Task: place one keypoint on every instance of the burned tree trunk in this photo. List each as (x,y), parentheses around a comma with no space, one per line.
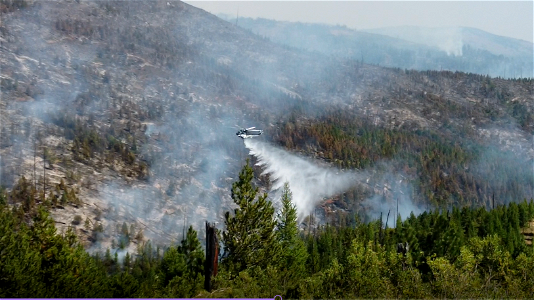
(212,255)
(381,234)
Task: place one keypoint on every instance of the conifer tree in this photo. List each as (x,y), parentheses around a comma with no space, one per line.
(293,252)
(192,251)
(250,238)
(523,213)
(324,243)
(287,218)
(441,225)
(454,239)
(313,258)
(399,230)
(3,197)
(173,264)
(411,239)
(127,263)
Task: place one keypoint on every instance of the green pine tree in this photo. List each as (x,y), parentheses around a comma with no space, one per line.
(411,239)
(399,230)
(454,240)
(193,253)
(313,258)
(173,264)
(293,252)
(250,238)
(287,218)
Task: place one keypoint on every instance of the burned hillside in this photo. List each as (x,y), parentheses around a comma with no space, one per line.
(121,115)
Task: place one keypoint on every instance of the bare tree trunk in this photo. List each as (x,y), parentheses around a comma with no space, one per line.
(34,158)
(44,174)
(381,236)
(212,255)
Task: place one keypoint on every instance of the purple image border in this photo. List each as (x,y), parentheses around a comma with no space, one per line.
(277,297)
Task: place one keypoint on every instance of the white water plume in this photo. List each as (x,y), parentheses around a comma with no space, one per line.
(308,182)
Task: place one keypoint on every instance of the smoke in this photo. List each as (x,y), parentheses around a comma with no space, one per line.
(448,40)
(308,182)
(193,154)
(191,166)
(393,196)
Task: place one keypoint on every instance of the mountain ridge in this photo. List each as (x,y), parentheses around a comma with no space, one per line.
(467,35)
(455,48)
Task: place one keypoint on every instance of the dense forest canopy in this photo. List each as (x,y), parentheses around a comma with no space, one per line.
(460,253)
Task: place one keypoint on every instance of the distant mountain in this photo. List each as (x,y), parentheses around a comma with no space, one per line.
(456,49)
(452,39)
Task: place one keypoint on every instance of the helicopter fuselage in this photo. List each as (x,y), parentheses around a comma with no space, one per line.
(249,133)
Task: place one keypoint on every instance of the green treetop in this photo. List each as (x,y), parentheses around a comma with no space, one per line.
(250,238)
(294,254)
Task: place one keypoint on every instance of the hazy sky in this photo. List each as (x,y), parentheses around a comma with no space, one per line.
(507,18)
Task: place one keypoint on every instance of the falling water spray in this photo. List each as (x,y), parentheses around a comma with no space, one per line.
(308,182)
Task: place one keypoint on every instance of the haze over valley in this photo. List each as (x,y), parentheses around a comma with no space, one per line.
(408,47)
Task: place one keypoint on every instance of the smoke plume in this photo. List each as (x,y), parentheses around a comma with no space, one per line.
(393,196)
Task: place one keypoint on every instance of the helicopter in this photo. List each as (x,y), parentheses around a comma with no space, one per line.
(249,132)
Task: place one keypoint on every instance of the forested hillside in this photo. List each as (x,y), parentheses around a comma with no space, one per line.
(117,136)
(445,170)
(463,253)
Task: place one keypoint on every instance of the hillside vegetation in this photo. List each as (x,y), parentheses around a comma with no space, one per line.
(117,128)
(461,253)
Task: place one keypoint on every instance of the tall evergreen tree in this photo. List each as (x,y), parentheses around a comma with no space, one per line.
(411,238)
(454,239)
(399,230)
(522,211)
(173,264)
(192,251)
(287,218)
(250,238)
(293,252)
(313,258)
